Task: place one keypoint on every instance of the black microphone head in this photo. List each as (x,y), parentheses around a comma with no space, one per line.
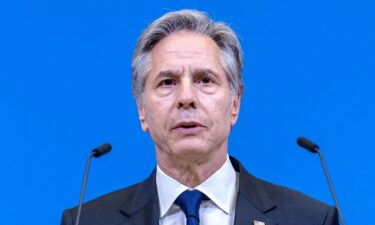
(307,144)
(101,150)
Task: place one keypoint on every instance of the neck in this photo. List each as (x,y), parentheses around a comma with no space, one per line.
(191,170)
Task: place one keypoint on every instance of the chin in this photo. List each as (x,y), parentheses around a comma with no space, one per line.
(190,149)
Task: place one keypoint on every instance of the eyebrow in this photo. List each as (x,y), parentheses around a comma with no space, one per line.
(173,73)
(169,73)
(204,71)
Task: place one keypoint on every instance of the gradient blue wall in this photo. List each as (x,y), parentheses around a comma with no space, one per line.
(65,88)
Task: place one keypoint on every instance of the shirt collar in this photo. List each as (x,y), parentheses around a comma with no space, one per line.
(168,190)
(221,187)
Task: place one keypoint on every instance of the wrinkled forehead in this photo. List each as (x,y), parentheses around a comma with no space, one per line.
(185,49)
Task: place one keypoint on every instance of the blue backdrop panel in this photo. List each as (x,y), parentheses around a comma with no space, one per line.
(65,87)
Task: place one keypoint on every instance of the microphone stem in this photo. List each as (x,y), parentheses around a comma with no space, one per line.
(330,186)
(83,187)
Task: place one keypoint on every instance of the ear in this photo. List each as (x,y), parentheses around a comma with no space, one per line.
(142,117)
(235,110)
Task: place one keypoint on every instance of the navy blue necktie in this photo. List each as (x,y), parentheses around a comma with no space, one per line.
(189,202)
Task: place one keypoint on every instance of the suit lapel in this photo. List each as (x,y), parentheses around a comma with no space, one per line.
(142,205)
(253,203)
(246,213)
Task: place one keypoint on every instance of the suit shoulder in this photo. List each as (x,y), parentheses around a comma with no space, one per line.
(280,203)
(110,200)
(110,207)
(114,198)
(285,195)
(301,206)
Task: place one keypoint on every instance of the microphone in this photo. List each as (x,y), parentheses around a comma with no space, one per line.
(101,150)
(97,152)
(314,148)
(307,144)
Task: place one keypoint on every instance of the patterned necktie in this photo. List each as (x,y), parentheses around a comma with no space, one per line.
(189,202)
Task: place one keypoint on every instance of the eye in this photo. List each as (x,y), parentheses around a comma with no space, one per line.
(205,80)
(167,82)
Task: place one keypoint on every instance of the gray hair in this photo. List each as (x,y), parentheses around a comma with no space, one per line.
(191,21)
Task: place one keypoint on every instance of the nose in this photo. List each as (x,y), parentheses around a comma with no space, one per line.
(186,95)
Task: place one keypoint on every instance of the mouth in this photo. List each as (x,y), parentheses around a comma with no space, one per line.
(189,126)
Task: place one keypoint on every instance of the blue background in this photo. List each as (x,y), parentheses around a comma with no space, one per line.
(65,88)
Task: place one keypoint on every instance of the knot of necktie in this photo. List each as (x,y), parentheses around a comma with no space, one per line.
(189,202)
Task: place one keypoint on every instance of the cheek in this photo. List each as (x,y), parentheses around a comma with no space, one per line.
(218,109)
(156,114)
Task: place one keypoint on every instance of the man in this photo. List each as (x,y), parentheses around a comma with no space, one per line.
(187,81)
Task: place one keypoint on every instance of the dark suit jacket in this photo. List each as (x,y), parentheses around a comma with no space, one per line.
(256,200)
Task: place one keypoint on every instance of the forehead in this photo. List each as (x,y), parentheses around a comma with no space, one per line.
(185,48)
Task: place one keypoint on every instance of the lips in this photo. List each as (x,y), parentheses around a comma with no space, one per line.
(189,124)
(188,127)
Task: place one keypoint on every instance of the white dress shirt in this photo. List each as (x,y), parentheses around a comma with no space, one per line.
(221,188)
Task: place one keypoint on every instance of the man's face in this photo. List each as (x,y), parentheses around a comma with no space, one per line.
(187,103)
